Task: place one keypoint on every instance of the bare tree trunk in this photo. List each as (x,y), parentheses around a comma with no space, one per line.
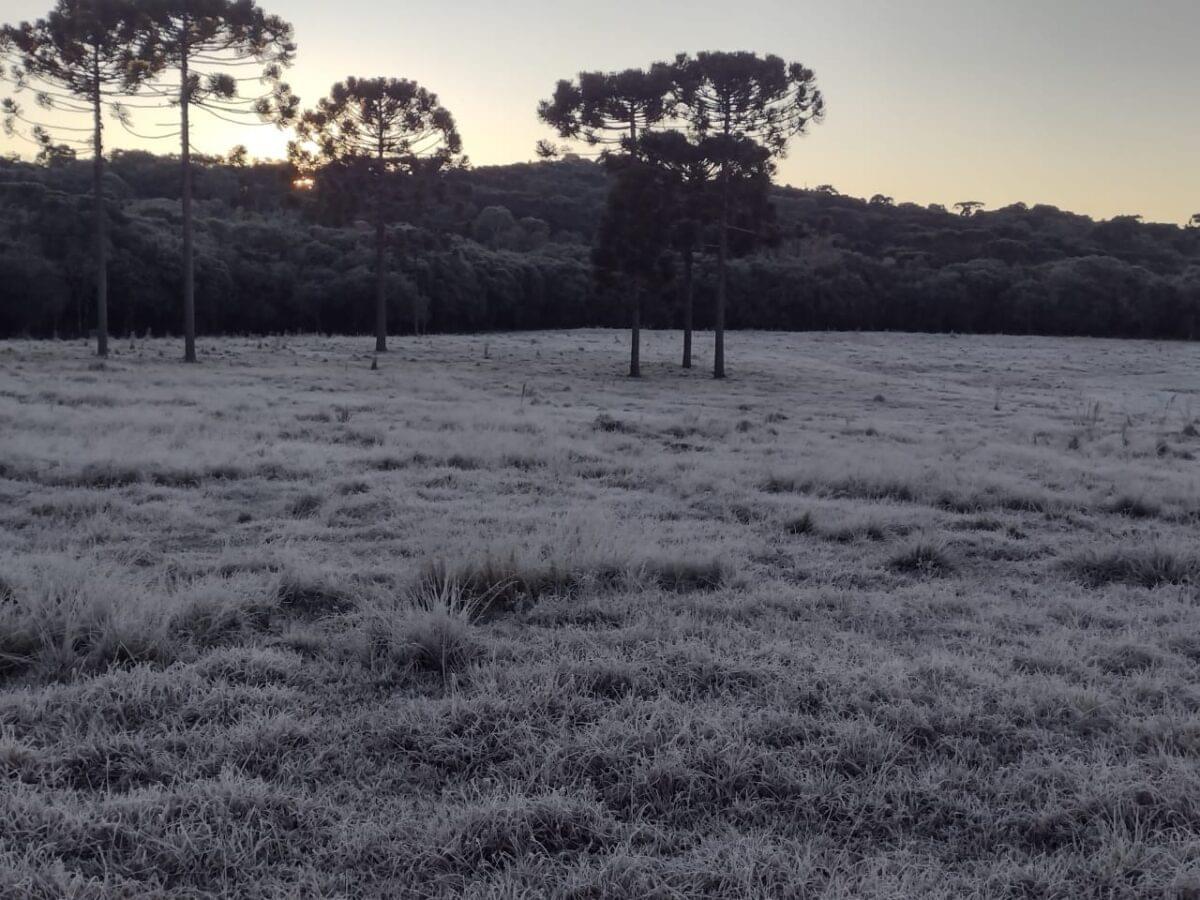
(189,255)
(101,214)
(635,347)
(688,304)
(722,281)
(380,285)
(380,260)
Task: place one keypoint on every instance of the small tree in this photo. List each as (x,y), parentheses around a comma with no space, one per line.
(206,42)
(1195,221)
(368,134)
(79,59)
(743,103)
(968,208)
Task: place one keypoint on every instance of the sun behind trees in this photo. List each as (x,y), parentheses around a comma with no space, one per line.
(734,115)
(371,138)
(204,42)
(86,54)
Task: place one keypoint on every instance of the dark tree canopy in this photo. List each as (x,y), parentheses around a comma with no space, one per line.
(392,122)
(79,47)
(742,94)
(609,109)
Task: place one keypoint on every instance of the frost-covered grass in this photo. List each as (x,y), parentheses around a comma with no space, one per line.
(880,616)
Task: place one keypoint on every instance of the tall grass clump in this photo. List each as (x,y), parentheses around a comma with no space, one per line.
(431,629)
(1147,567)
(65,618)
(924,559)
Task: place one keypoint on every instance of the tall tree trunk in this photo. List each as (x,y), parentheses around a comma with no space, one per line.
(380,262)
(688,304)
(635,345)
(722,281)
(380,284)
(189,256)
(101,213)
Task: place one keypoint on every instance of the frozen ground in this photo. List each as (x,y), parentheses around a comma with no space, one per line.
(880,616)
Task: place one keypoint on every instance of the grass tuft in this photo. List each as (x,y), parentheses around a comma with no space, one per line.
(802,524)
(504,832)
(1147,567)
(607,423)
(1133,507)
(686,576)
(924,559)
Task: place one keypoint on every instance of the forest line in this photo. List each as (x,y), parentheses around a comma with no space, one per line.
(377,223)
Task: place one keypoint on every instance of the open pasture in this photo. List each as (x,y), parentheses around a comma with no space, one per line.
(880,616)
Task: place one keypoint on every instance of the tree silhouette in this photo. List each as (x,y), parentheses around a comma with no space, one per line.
(1195,221)
(615,111)
(687,171)
(749,107)
(608,109)
(968,208)
(882,200)
(367,134)
(78,59)
(211,44)
(633,241)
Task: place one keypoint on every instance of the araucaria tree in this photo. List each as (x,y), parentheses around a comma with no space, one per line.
(685,169)
(609,110)
(739,104)
(633,242)
(615,112)
(214,47)
(79,59)
(374,137)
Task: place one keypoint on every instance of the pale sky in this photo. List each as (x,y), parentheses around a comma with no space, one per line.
(1090,105)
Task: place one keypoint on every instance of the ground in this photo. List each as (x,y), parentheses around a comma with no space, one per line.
(878,616)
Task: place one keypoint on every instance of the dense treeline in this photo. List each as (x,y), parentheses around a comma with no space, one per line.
(508,247)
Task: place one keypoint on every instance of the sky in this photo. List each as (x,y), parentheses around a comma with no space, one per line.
(1089,105)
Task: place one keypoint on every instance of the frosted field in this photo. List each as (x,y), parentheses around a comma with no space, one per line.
(880,616)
